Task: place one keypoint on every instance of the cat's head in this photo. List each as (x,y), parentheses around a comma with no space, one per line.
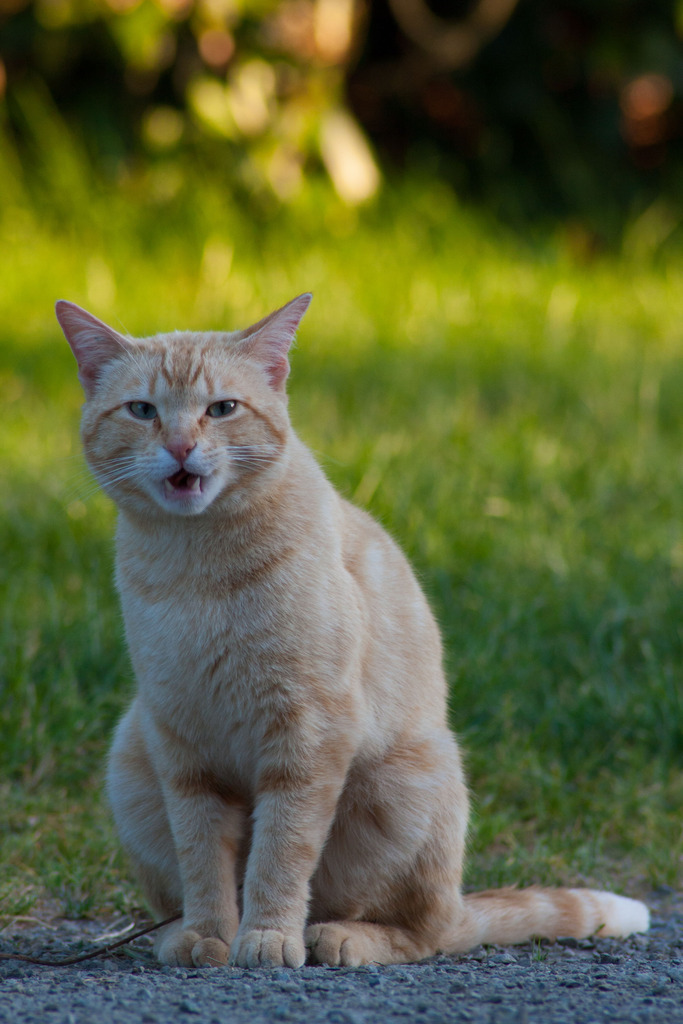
(180,421)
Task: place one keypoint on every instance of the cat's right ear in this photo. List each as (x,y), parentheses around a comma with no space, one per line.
(93,342)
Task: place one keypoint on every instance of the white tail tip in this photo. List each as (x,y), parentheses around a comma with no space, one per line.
(622,916)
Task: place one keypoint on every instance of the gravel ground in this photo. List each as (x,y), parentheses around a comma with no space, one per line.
(639,980)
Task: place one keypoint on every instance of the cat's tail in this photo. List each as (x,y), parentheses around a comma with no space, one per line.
(507,916)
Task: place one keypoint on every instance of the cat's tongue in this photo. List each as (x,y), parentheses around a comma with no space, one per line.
(184,481)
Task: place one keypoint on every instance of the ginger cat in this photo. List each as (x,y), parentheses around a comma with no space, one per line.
(285,777)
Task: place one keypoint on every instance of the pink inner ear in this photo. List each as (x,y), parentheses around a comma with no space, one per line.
(278,372)
(269,340)
(93,342)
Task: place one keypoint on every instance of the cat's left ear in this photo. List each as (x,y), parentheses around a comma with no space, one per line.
(93,342)
(268,341)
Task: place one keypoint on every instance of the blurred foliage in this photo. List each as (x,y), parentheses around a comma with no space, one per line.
(572,109)
(256,85)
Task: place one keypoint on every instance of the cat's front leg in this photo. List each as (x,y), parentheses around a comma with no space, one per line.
(291,823)
(207,833)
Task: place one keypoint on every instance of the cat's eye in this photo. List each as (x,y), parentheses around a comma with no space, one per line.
(224,408)
(143,410)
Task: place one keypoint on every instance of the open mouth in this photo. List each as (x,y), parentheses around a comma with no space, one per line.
(182,483)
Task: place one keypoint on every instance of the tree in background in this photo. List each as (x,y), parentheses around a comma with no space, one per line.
(537,108)
(551,108)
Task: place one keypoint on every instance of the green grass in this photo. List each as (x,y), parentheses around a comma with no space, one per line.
(512,417)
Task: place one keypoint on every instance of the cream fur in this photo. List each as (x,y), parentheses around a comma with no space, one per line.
(285,777)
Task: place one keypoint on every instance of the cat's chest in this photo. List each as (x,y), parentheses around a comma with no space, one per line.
(213,670)
(227,654)
(185,635)
(231,625)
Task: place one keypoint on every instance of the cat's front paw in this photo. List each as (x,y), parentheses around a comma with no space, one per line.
(174,947)
(264,947)
(210,953)
(184,947)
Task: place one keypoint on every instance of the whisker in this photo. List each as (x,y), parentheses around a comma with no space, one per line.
(251,463)
(120,464)
(252,460)
(252,455)
(116,474)
(84,471)
(81,490)
(83,496)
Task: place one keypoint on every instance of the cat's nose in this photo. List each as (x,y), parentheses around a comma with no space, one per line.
(180,448)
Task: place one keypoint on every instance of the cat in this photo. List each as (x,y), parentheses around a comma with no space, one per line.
(285,778)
